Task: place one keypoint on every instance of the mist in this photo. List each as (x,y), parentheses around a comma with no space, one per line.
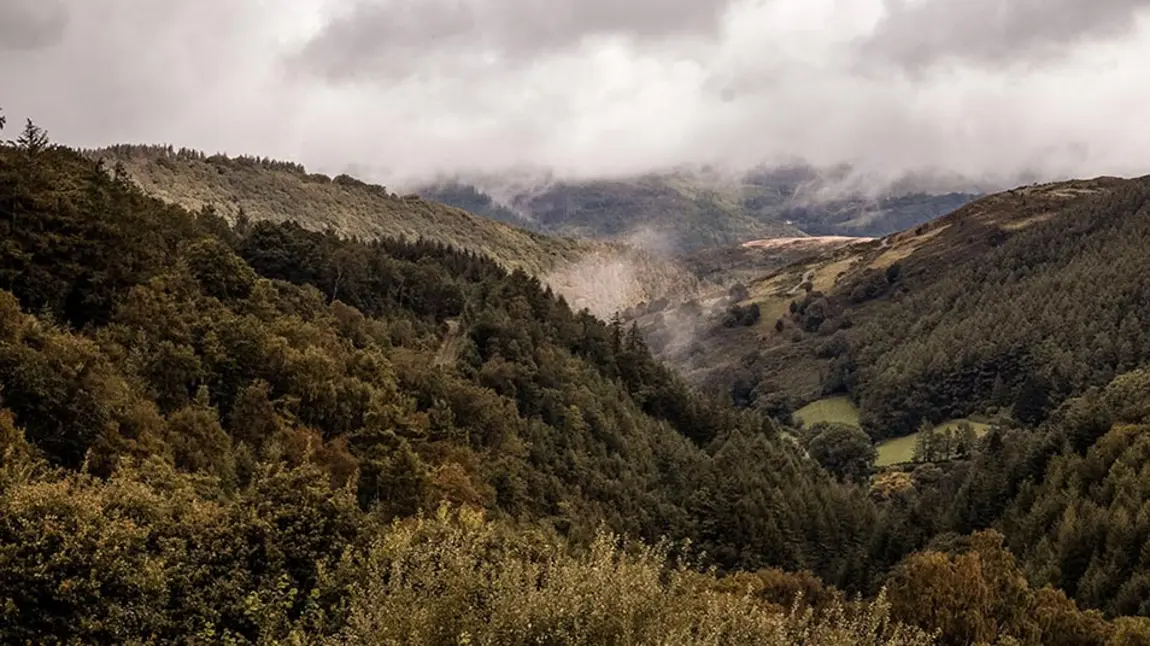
(403,91)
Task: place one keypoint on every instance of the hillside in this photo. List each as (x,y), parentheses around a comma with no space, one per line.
(689,212)
(602,276)
(273,396)
(828,203)
(1030,294)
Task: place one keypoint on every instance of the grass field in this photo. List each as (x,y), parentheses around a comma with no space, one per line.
(837,410)
(840,410)
(901,449)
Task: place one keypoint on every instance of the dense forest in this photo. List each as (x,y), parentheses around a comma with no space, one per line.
(1006,307)
(252,432)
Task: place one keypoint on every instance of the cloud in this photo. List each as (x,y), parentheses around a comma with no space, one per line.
(917,34)
(31,24)
(407,90)
(382,37)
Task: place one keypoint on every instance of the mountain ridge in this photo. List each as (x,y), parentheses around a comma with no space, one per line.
(685,212)
(605,276)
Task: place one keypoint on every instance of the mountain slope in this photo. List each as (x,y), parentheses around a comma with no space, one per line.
(602,276)
(135,329)
(829,203)
(1033,293)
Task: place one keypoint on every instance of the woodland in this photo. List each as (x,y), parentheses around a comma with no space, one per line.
(237,430)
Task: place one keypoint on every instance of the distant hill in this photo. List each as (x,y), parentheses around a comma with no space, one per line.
(667,211)
(603,276)
(686,212)
(828,203)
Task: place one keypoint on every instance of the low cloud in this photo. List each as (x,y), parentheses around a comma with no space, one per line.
(31,24)
(918,34)
(380,39)
(408,90)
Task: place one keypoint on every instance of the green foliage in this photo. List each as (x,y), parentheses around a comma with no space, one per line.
(980,596)
(155,555)
(1083,527)
(1020,316)
(231,355)
(946,442)
(846,451)
(458,580)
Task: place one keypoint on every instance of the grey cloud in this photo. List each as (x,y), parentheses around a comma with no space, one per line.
(390,37)
(132,70)
(31,24)
(490,86)
(916,35)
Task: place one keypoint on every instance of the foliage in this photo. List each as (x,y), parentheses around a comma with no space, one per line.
(980,596)
(458,580)
(846,451)
(259,189)
(1045,312)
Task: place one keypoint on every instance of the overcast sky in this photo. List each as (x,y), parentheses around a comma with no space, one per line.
(404,89)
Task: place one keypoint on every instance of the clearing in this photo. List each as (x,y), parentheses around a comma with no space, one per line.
(834,410)
(901,449)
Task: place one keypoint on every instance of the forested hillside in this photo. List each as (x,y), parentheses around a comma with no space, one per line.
(603,276)
(259,433)
(1013,303)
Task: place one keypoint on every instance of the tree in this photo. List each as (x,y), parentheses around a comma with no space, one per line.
(33,140)
(845,451)
(1033,401)
(966,440)
(928,444)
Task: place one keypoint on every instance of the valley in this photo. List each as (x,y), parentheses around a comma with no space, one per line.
(241,402)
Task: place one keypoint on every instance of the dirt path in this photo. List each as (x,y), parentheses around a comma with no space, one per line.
(807,277)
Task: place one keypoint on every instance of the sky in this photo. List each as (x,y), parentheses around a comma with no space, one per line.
(399,91)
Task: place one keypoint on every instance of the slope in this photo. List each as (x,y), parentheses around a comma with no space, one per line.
(263,189)
(1017,300)
(135,329)
(670,211)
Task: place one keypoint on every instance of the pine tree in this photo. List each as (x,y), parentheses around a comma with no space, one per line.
(33,140)
(1033,399)
(926,445)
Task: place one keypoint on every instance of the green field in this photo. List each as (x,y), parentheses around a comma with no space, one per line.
(901,449)
(836,410)
(840,410)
